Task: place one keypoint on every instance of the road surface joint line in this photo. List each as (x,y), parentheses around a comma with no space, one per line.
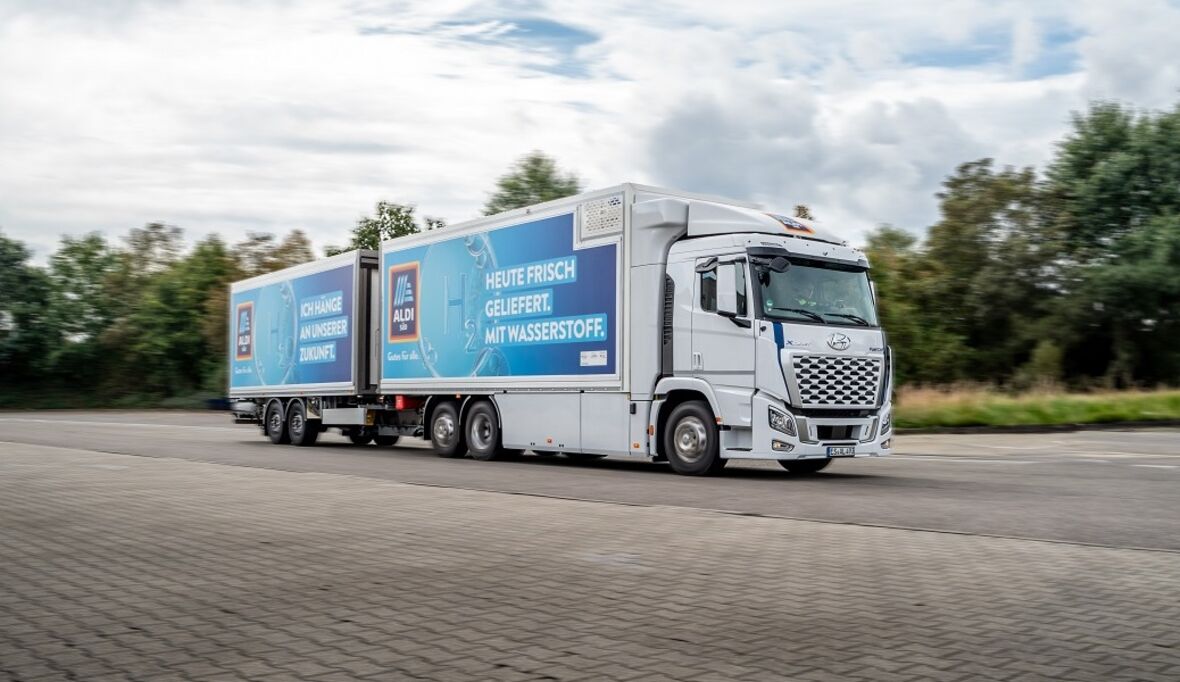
(804,519)
(965,458)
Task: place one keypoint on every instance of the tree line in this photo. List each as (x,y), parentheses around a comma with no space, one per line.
(141,317)
(1070,276)
(1067,276)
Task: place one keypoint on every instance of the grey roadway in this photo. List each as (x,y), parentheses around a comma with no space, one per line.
(1109,488)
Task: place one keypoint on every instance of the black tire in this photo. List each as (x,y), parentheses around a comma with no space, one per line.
(483,432)
(804,466)
(386,441)
(300,429)
(446,433)
(276,425)
(360,437)
(691,441)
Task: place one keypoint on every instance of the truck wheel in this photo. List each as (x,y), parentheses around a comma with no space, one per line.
(386,441)
(804,466)
(303,431)
(690,440)
(276,426)
(483,433)
(445,433)
(360,437)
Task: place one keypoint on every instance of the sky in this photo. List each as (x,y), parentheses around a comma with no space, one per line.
(236,117)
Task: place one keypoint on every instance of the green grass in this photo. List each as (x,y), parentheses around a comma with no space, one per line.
(932,408)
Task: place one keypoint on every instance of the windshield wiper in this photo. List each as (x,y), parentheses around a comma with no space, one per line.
(800,311)
(855,318)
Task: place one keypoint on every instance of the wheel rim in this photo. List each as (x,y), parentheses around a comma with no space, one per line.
(296,424)
(444,430)
(690,439)
(481,432)
(276,421)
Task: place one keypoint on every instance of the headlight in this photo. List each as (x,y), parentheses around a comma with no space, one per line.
(887,422)
(779,421)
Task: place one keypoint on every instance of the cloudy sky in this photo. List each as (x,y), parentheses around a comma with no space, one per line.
(243,116)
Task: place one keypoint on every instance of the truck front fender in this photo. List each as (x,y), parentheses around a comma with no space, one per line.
(669,392)
(669,384)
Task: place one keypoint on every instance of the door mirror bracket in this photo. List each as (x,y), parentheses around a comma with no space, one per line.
(732,317)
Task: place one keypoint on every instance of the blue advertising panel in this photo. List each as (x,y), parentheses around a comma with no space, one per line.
(515,301)
(294,332)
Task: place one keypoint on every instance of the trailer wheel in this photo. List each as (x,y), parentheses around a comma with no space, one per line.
(804,466)
(360,437)
(276,426)
(446,434)
(386,441)
(483,432)
(303,431)
(690,440)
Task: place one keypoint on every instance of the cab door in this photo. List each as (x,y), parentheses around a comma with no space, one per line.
(723,336)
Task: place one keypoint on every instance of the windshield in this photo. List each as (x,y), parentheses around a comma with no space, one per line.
(817,292)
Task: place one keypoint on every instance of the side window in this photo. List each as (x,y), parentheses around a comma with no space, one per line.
(709,291)
(740,278)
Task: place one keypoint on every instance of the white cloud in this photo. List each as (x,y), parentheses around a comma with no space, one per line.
(1134,53)
(1026,42)
(227,117)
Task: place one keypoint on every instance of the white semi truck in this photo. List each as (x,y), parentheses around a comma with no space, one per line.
(631,321)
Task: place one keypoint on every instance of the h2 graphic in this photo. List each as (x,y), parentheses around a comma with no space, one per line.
(244,337)
(403,302)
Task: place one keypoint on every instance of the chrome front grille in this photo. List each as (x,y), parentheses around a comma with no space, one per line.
(837,380)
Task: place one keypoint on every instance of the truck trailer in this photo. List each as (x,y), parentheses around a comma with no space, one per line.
(631,321)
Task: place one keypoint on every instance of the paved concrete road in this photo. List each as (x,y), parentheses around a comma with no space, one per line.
(389,564)
(1110,488)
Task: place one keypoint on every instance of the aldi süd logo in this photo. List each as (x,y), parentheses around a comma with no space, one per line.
(403,302)
(244,331)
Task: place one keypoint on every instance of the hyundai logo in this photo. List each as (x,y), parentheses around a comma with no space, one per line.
(839,341)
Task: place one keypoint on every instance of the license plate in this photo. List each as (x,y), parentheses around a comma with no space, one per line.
(842,451)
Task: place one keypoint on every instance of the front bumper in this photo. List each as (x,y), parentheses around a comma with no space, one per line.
(867,436)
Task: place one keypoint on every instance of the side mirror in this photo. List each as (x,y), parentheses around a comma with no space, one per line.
(727,290)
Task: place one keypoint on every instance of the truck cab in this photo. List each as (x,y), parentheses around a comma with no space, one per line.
(775,321)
